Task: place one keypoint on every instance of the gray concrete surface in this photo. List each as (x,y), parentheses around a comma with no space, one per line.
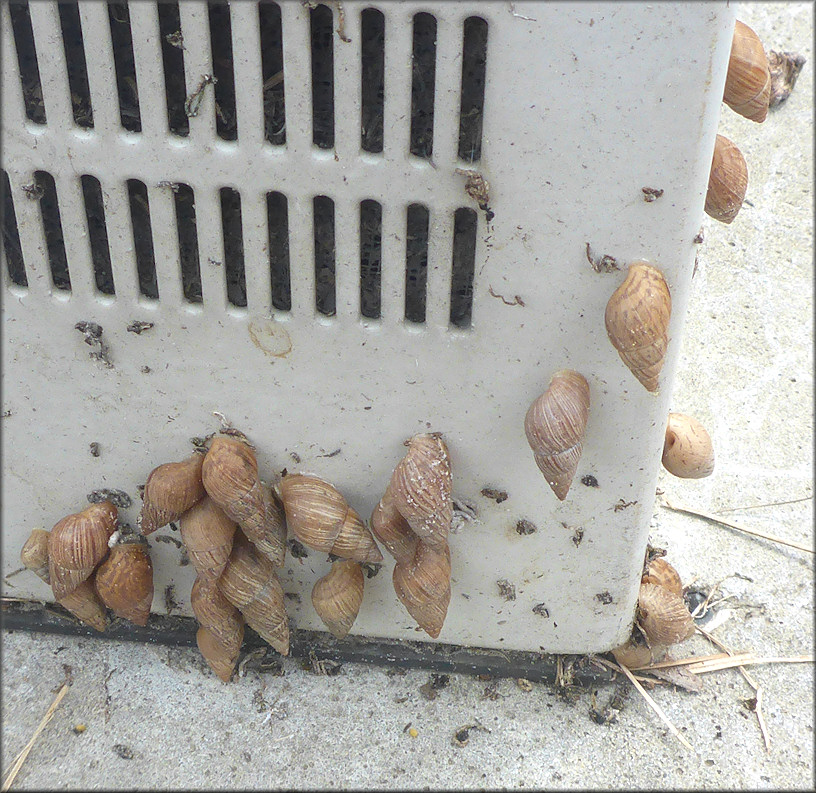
(746,372)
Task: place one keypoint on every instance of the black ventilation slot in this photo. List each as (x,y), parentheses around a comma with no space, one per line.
(188,243)
(143,238)
(416,262)
(370,258)
(277,215)
(422,85)
(233,246)
(172,44)
(27,62)
(226,116)
(322,76)
(98,234)
(325,298)
(269,17)
(471,109)
(77,68)
(45,190)
(11,237)
(372,75)
(124,64)
(464,260)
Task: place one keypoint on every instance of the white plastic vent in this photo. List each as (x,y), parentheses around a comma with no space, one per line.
(278,190)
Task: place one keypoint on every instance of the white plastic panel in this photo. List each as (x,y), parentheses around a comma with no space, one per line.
(585,104)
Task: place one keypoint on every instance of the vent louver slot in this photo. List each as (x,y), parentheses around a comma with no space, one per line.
(11,238)
(269,17)
(372,80)
(124,65)
(226,118)
(416,264)
(75,60)
(172,48)
(471,112)
(233,247)
(322,42)
(142,238)
(184,201)
(464,259)
(324,255)
(370,258)
(98,234)
(27,62)
(423,85)
(45,188)
(277,218)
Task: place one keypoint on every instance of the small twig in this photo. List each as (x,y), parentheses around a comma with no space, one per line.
(21,758)
(652,704)
(715,519)
(769,504)
(520,16)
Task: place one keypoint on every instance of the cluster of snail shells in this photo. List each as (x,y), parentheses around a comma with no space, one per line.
(412,520)
(89,569)
(662,617)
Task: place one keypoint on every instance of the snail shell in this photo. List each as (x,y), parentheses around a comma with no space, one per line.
(663,616)
(748,81)
(222,628)
(230,475)
(170,490)
(421,488)
(321,518)
(727,181)
(77,544)
(634,654)
(392,530)
(555,424)
(660,572)
(338,595)
(34,554)
(250,583)
(220,657)
(124,580)
(423,587)
(207,533)
(637,322)
(687,450)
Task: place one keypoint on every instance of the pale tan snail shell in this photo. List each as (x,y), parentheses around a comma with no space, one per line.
(338,595)
(660,572)
(321,518)
(636,653)
(222,627)
(687,449)
(555,424)
(727,181)
(34,554)
(392,529)
(230,476)
(124,580)
(637,321)
(663,616)
(748,81)
(423,587)
(207,534)
(170,490)
(250,583)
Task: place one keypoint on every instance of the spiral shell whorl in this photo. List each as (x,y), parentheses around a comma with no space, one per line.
(124,581)
(170,490)
(338,595)
(748,81)
(207,533)
(423,587)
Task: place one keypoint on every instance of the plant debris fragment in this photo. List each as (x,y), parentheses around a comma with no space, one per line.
(785,68)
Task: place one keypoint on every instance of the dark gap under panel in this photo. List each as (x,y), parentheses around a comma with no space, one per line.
(98,234)
(124,63)
(422,85)
(27,61)
(11,237)
(322,38)
(143,238)
(172,43)
(370,258)
(269,17)
(52,227)
(233,246)
(372,75)
(188,243)
(325,296)
(471,108)
(277,216)
(77,68)
(416,262)
(226,115)
(464,261)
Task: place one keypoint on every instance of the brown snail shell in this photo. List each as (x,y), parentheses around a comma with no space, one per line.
(421,488)
(663,616)
(77,544)
(230,475)
(170,490)
(555,424)
(423,587)
(748,81)
(392,530)
(250,583)
(727,181)
(660,572)
(220,657)
(687,450)
(207,534)
(637,322)
(124,580)
(634,654)
(34,554)
(337,596)
(321,518)
(214,612)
